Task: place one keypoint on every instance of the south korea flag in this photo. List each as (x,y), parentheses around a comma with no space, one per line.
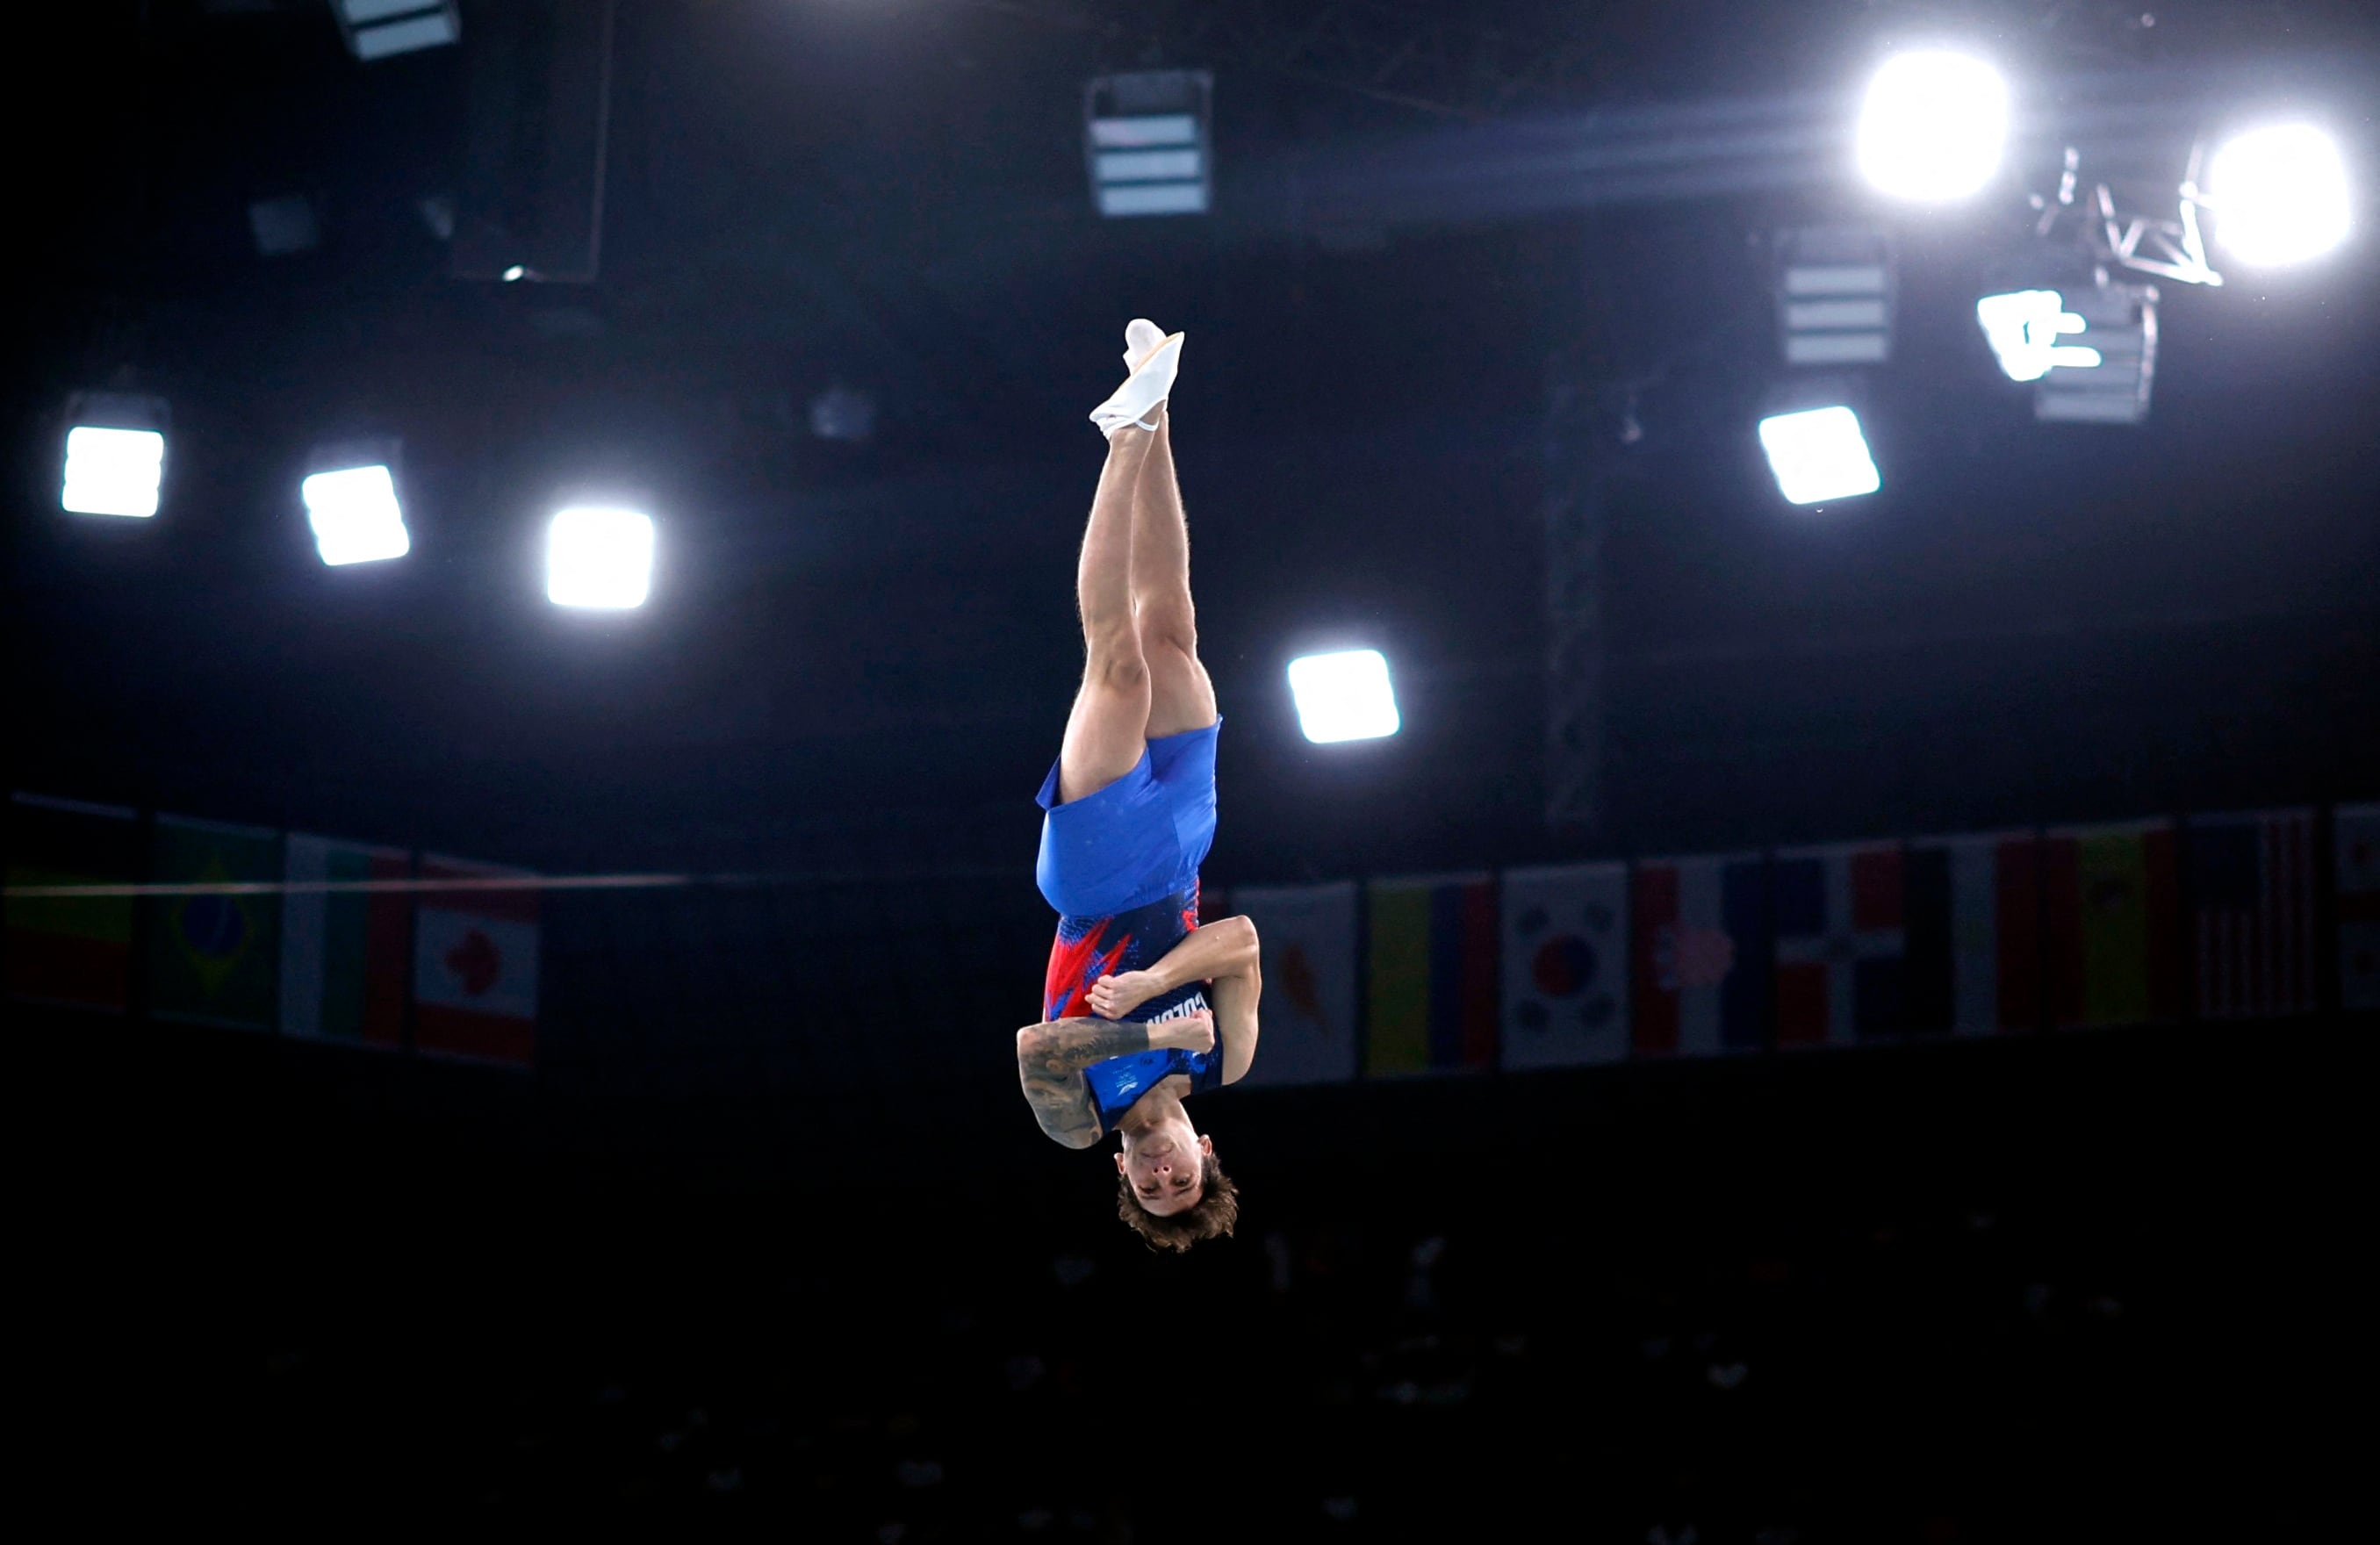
(1565,966)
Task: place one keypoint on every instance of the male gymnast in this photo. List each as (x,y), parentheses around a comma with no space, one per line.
(1137,993)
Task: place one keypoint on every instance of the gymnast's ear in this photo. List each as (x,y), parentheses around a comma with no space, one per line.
(1119,1159)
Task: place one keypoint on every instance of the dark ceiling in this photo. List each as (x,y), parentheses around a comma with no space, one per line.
(862,653)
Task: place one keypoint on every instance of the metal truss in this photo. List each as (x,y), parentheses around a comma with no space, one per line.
(1576,658)
(2170,249)
(1434,59)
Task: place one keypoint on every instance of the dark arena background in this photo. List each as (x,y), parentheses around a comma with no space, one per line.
(1840,1013)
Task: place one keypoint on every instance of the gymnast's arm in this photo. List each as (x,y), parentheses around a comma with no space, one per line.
(1225,955)
(1225,947)
(1233,993)
(1049,1063)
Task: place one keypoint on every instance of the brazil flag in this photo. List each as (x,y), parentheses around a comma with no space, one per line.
(214,958)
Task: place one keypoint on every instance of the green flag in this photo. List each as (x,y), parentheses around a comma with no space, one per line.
(214,959)
(344,960)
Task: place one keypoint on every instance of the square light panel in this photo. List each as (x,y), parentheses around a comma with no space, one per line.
(1345,696)
(600,558)
(112,471)
(355,516)
(1818,455)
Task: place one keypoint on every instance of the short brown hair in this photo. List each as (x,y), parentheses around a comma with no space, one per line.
(1218,1210)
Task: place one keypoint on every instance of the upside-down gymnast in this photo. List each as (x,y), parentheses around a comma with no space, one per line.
(1138,995)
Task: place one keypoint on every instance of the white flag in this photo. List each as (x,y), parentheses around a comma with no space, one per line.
(1308,1016)
(1565,966)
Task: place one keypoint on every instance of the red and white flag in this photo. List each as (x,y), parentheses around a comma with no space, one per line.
(1699,980)
(475,964)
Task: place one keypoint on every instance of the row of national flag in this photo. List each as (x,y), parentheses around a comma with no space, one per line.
(319,939)
(2221,917)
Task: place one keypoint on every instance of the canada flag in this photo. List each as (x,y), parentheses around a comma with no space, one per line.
(475,965)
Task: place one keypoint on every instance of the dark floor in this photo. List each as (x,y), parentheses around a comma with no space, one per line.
(2046,1289)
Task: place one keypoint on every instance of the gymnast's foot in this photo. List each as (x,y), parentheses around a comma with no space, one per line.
(1141,337)
(1153,359)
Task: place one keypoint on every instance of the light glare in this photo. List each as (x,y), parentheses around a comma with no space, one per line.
(112,471)
(1345,696)
(356,515)
(2279,195)
(1818,455)
(600,558)
(2024,328)
(1932,126)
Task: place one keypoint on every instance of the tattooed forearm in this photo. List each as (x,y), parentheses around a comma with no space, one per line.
(1074,1044)
(1049,1063)
(1061,1105)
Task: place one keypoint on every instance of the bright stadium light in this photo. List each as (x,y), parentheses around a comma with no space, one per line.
(2279,195)
(600,558)
(116,455)
(112,471)
(1818,454)
(1344,695)
(355,515)
(2023,327)
(1932,126)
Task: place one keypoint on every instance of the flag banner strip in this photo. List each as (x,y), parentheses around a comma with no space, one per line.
(219,828)
(515,883)
(72,807)
(441,883)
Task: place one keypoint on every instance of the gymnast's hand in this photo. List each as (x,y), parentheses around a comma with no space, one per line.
(1113,997)
(1191,1032)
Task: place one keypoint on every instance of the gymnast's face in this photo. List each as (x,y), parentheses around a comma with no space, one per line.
(1165,1165)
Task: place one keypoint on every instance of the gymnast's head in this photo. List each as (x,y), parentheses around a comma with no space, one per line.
(1169,1187)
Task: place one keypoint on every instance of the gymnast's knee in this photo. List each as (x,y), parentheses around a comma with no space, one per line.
(1117,664)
